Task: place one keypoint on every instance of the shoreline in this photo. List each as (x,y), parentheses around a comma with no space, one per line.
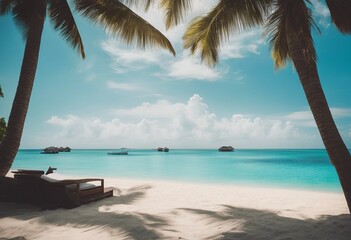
(243,184)
(149,209)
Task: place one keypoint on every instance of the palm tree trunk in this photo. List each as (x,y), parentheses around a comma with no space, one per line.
(308,73)
(11,142)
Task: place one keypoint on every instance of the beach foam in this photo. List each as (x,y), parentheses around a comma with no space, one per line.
(143,209)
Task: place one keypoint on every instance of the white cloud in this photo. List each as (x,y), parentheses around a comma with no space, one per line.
(301,115)
(127,58)
(321,12)
(191,68)
(242,44)
(307,115)
(68,122)
(305,118)
(178,125)
(184,66)
(123,86)
(320,8)
(341,112)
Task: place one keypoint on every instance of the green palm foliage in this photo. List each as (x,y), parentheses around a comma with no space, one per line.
(206,33)
(120,21)
(112,15)
(288,25)
(297,15)
(174,10)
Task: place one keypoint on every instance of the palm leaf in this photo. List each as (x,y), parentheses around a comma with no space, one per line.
(1,93)
(62,18)
(292,14)
(119,20)
(6,6)
(276,31)
(206,33)
(175,11)
(340,11)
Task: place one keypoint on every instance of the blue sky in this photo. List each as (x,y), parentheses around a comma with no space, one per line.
(121,96)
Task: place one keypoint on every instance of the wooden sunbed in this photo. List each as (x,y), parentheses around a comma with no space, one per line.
(49,192)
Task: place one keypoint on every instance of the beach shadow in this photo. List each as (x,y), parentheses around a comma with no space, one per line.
(119,217)
(15,238)
(252,224)
(104,215)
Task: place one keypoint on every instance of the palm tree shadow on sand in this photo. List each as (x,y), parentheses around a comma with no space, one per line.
(116,217)
(97,215)
(248,224)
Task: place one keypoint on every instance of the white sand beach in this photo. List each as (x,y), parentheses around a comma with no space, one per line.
(143,209)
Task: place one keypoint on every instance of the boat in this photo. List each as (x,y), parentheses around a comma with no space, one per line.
(123,151)
(226,149)
(117,153)
(165,149)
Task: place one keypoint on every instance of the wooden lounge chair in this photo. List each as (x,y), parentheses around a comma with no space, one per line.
(53,190)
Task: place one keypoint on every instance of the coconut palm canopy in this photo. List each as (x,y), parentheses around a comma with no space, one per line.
(30,16)
(114,81)
(288,24)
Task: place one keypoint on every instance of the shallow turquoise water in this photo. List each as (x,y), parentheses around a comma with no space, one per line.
(310,169)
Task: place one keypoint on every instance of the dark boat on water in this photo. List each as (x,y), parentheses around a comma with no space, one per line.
(122,152)
(226,149)
(165,149)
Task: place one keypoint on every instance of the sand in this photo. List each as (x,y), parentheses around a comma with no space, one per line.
(144,209)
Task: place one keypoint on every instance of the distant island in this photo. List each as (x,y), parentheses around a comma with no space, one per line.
(226,149)
(55,150)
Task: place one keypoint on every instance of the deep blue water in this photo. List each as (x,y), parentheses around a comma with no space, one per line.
(309,169)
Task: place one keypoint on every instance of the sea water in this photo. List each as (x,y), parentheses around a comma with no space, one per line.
(307,169)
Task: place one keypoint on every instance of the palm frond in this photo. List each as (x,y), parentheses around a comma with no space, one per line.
(206,33)
(63,20)
(6,6)
(121,21)
(290,14)
(175,11)
(24,12)
(1,93)
(276,31)
(340,11)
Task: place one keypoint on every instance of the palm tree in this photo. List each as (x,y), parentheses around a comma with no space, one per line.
(288,25)
(112,15)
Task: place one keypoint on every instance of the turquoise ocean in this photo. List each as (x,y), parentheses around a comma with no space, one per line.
(303,169)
